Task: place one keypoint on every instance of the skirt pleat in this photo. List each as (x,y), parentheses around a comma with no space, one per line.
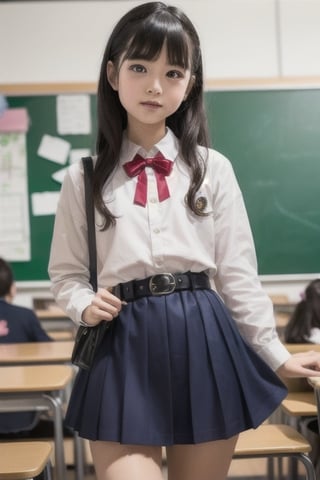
(173,369)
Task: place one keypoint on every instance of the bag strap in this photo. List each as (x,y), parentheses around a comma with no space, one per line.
(88,178)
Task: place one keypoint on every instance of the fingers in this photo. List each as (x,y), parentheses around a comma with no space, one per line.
(304,364)
(4,330)
(104,306)
(310,360)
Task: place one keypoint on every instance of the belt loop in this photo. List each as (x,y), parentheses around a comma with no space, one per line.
(192,280)
(117,291)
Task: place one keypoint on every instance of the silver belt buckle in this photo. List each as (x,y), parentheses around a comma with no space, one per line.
(162,284)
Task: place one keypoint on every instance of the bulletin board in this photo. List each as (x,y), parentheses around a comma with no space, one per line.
(42,115)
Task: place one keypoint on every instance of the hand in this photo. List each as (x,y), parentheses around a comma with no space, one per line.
(304,364)
(104,306)
(4,330)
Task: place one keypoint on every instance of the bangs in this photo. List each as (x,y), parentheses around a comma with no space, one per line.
(150,36)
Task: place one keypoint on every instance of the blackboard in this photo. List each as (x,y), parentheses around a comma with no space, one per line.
(272,138)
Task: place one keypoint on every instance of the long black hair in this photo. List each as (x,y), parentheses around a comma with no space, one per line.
(6,278)
(305,316)
(141,33)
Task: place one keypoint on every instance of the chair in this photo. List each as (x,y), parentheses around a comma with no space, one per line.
(275,441)
(25,460)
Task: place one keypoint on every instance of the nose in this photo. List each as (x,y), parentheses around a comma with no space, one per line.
(154,88)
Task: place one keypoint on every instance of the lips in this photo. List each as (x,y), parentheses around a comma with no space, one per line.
(151,104)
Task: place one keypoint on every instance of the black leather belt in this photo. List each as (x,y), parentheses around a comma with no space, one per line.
(161,284)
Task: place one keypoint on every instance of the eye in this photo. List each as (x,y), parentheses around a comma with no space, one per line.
(175,74)
(137,68)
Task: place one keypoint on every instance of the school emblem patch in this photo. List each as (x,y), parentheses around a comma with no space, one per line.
(201,204)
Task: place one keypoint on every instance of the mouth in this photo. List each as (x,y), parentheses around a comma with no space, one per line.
(151,104)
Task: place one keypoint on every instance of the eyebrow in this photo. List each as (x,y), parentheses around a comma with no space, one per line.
(141,59)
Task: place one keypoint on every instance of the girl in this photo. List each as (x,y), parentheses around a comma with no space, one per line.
(304,325)
(189,359)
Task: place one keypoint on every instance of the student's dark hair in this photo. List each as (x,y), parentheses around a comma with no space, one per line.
(305,316)
(141,33)
(6,278)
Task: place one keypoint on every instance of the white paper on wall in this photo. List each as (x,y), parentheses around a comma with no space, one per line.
(73,115)
(14,205)
(54,149)
(44,203)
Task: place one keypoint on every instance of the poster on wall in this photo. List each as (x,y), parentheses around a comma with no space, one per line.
(14,204)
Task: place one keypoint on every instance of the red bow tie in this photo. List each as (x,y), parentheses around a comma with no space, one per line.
(162,168)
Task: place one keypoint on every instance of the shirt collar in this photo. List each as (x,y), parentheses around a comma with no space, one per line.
(168,146)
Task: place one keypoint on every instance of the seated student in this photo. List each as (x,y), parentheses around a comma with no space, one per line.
(304,327)
(304,324)
(17,324)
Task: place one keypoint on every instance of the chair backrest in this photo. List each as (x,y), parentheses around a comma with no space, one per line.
(279,299)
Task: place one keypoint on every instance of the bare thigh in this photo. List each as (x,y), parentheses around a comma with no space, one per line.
(203,461)
(113,461)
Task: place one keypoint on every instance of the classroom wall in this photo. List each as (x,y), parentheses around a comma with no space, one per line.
(53,42)
(63,41)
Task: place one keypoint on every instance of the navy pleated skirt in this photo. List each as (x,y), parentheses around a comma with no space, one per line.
(171,370)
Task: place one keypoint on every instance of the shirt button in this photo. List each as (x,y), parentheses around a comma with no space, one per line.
(156,230)
(153,200)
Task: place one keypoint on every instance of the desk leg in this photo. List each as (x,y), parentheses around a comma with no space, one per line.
(317,395)
(292,461)
(79,456)
(55,402)
(41,402)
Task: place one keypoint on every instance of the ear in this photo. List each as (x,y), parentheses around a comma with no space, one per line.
(112,75)
(12,292)
(189,87)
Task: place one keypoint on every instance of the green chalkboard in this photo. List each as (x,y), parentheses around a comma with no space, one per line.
(273,141)
(42,114)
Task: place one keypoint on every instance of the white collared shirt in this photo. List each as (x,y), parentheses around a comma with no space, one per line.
(165,237)
(314,336)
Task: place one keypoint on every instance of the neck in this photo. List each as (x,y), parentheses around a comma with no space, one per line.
(146,135)
(7,298)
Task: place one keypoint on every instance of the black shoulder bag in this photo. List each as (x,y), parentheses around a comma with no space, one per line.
(88,338)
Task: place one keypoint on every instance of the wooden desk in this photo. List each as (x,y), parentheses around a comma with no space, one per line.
(299,404)
(302,347)
(44,353)
(300,401)
(285,308)
(38,388)
(54,318)
(35,353)
(24,460)
(281,322)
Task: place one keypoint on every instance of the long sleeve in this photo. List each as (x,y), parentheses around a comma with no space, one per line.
(237,279)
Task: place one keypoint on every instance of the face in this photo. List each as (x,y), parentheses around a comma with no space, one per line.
(150,91)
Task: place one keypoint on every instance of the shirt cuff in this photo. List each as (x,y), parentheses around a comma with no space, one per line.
(76,311)
(274,354)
